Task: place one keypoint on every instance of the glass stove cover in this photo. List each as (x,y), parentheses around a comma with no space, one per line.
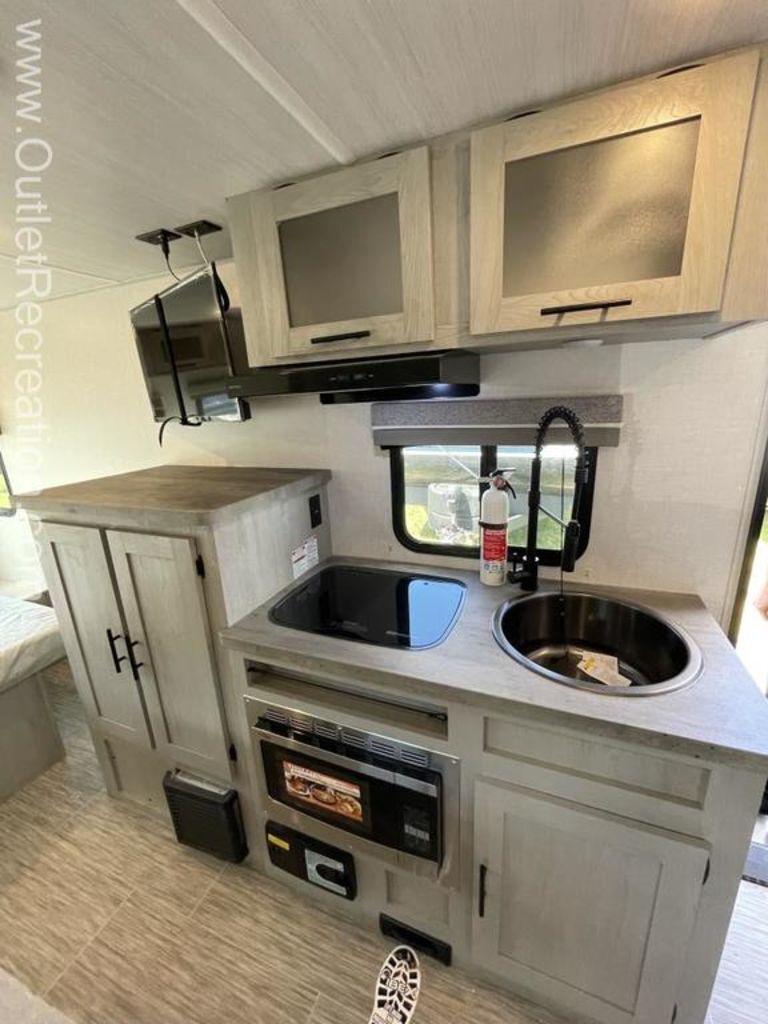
(375,606)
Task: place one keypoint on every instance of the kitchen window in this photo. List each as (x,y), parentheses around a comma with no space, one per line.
(6,502)
(436,493)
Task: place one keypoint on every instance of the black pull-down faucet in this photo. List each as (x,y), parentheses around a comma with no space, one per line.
(527,573)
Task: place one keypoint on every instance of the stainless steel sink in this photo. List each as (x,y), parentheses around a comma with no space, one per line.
(549,633)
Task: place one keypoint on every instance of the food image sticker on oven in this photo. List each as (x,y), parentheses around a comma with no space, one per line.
(323,791)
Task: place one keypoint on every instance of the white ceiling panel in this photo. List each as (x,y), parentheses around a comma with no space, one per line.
(151,124)
(157,110)
(385,72)
(66,282)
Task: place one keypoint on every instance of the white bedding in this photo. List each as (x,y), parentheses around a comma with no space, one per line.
(29,639)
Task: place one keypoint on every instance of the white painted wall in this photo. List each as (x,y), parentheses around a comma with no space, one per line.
(670,500)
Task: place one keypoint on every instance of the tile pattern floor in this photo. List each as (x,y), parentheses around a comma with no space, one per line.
(113,922)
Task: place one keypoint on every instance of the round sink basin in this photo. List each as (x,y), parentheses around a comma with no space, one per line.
(555,634)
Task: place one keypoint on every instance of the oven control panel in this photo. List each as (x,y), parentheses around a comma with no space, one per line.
(418,830)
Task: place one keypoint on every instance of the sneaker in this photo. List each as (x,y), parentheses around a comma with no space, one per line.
(397,990)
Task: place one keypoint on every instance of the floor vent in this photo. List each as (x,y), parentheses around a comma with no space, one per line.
(420,941)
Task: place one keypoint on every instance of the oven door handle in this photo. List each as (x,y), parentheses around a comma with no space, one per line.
(372,771)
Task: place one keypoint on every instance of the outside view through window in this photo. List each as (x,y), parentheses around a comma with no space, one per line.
(752,641)
(6,507)
(442,492)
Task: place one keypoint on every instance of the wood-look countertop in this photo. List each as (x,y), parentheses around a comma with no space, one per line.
(201,493)
(721,716)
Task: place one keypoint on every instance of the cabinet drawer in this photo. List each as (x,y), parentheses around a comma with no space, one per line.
(665,791)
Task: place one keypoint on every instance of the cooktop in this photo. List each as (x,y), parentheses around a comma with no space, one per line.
(374,606)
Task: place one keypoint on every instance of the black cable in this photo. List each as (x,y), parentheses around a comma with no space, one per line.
(185,421)
(170,268)
(165,245)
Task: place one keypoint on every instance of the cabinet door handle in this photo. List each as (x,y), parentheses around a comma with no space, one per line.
(349,336)
(577,307)
(135,665)
(111,637)
(481,890)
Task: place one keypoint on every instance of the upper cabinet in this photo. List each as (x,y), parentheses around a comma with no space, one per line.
(337,263)
(618,206)
(639,211)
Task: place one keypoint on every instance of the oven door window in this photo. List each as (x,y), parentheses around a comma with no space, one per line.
(318,788)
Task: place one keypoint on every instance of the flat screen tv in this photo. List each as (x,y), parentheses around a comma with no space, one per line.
(189,343)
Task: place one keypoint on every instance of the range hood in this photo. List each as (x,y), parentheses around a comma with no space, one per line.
(392,378)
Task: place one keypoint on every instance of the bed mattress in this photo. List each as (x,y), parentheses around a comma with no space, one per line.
(29,639)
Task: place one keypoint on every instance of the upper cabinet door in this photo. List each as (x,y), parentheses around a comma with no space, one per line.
(171,647)
(78,576)
(621,202)
(337,263)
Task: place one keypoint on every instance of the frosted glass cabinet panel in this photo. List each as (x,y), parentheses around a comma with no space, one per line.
(343,263)
(616,206)
(339,263)
(630,193)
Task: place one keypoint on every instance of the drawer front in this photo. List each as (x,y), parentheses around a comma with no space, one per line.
(655,788)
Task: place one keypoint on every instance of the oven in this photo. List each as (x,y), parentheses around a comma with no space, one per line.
(393,799)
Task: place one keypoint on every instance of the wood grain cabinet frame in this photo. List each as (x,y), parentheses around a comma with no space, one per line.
(718,96)
(255,220)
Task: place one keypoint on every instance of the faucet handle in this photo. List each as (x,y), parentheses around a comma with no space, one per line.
(570,546)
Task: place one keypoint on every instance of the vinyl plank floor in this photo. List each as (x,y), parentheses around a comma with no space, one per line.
(340,960)
(150,965)
(113,922)
(741,989)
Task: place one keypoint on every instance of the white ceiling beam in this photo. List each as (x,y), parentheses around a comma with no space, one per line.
(212,19)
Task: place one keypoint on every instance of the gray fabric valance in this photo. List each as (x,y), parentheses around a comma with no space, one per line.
(494,420)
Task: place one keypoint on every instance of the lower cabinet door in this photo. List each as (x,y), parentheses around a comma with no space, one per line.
(170,643)
(77,572)
(589,911)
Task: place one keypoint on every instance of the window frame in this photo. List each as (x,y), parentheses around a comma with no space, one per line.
(488,462)
(6,480)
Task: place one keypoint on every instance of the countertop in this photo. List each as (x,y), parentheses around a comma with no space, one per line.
(722,715)
(202,493)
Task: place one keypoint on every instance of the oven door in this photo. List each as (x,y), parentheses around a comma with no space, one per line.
(390,806)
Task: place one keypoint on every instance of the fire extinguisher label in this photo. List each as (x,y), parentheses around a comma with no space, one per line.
(494,544)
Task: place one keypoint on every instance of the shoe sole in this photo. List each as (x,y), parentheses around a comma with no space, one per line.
(397,988)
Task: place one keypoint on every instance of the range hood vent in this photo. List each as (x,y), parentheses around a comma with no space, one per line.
(393,378)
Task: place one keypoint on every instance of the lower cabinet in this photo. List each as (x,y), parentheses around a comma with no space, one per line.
(167,626)
(77,571)
(135,626)
(584,909)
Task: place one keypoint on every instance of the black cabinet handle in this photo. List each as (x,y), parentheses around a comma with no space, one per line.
(111,637)
(135,665)
(349,336)
(577,307)
(481,890)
